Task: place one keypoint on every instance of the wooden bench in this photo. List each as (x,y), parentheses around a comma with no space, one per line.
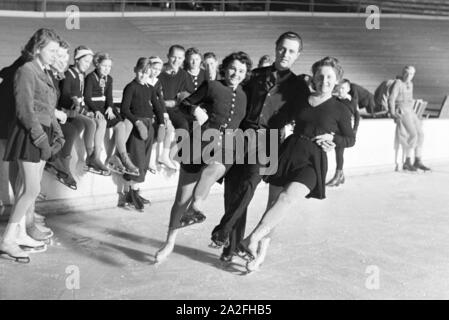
(438,112)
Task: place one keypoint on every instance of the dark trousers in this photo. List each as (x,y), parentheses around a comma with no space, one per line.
(179,119)
(339,152)
(140,150)
(241,182)
(70,132)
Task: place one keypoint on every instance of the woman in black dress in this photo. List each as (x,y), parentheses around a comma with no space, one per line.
(321,123)
(225,107)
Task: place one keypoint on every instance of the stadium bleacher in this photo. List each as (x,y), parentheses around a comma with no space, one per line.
(368,56)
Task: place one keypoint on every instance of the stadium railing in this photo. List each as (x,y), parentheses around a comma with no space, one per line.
(432,7)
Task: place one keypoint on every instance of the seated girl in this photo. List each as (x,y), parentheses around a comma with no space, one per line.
(98,98)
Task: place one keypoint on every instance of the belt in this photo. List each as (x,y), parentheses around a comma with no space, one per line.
(102,98)
(305,137)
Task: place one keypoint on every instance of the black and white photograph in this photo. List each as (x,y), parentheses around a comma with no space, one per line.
(224,155)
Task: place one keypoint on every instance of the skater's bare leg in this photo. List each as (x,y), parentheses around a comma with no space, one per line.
(184,192)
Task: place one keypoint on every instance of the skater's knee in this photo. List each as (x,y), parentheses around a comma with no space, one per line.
(285,198)
(213,172)
(101,123)
(170,129)
(89,124)
(119,127)
(413,138)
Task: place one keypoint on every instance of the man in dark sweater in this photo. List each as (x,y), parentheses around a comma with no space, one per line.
(272,93)
(364,98)
(175,85)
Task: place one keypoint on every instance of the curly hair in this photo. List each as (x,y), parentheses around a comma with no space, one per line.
(190,52)
(240,56)
(330,62)
(38,40)
(99,57)
(265,59)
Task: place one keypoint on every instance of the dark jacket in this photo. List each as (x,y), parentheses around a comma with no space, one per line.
(7,102)
(97,98)
(72,88)
(272,102)
(224,106)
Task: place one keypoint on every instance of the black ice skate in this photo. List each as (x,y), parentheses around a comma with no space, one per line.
(419,165)
(94,165)
(115,164)
(129,166)
(133,199)
(61,169)
(122,199)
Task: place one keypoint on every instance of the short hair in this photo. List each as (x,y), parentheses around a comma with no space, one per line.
(38,40)
(175,47)
(99,57)
(142,64)
(240,56)
(330,62)
(264,59)
(190,52)
(208,55)
(409,67)
(155,60)
(343,81)
(290,35)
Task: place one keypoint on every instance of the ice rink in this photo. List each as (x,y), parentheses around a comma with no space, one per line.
(380,236)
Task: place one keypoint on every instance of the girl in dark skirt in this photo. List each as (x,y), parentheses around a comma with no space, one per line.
(139,106)
(35,136)
(98,97)
(71,101)
(225,104)
(321,123)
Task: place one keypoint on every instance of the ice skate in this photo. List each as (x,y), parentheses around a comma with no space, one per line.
(130,168)
(94,165)
(61,168)
(115,164)
(133,199)
(122,199)
(419,165)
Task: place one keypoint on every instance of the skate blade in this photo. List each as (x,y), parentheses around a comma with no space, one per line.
(131,173)
(164,166)
(52,170)
(119,172)
(99,172)
(71,186)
